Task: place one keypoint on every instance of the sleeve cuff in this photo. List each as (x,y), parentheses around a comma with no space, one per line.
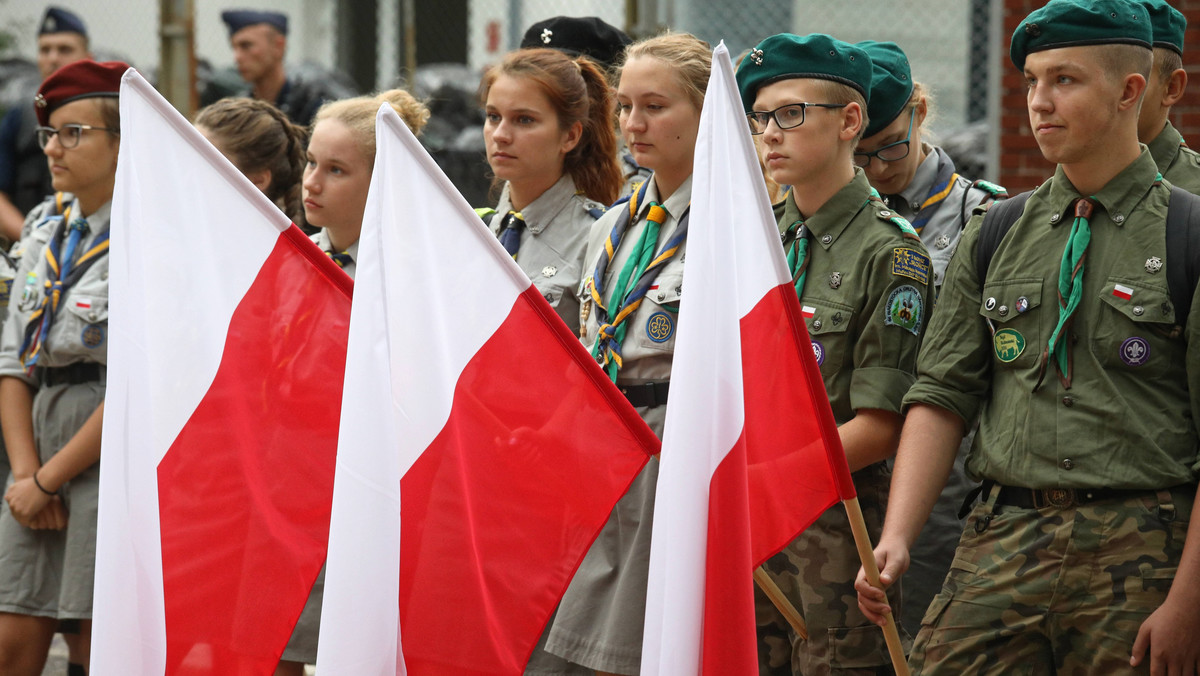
(879,388)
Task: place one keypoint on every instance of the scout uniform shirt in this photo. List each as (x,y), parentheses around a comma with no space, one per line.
(1128,419)
(949,211)
(867,295)
(79,332)
(1177,163)
(346,260)
(553,243)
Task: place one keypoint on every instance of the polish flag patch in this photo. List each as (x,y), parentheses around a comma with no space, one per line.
(808,311)
(1122,291)
(83,303)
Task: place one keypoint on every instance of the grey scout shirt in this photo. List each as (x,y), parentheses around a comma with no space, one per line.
(942,233)
(80,329)
(1177,163)
(553,243)
(321,239)
(866,300)
(1128,420)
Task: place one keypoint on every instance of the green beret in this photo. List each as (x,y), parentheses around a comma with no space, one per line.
(1168,25)
(817,56)
(1075,23)
(891,84)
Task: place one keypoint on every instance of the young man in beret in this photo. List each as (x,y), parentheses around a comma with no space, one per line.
(259,42)
(24,176)
(865,284)
(1087,386)
(1178,163)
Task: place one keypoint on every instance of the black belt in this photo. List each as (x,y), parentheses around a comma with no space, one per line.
(72,374)
(1061,498)
(646,394)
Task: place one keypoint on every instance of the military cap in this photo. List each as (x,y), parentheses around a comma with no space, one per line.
(587,36)
(59,20)
(237,19)
(79,80)
(1076,23)
(891,84)
(817,56)
(1167,24)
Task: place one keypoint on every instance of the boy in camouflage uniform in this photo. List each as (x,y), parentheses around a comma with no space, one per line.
(865,284)
(1068,347)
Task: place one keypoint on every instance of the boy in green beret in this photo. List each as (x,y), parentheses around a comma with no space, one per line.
(1178,163)
(865,285)
(1068,348)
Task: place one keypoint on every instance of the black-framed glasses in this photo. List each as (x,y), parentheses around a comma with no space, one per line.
(892,151)
(68,134)
(787,117)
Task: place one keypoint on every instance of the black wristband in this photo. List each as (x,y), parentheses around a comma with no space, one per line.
(40,486)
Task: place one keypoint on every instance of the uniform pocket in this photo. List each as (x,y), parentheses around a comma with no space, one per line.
(653,326)
(1017,341)
(1134,327)
(828,322)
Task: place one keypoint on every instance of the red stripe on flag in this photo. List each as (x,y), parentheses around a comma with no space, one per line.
(499,511)
(245,490)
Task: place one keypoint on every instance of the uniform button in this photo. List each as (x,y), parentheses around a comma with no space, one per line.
(885,213)
(1118,218)
(1068,401)
(816,323)
(1054,218)
(1068,464)
(1003,310)
(826,239)
(661,296)
(1138,310)
(91,316)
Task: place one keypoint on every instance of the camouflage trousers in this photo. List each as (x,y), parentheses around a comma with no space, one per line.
(1053,590)
(816,572)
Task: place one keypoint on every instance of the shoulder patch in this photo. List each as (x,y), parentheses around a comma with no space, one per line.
(905,308)
(996,191)
(910,263)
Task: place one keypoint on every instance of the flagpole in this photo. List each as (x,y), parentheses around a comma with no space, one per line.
(773,592)
(865,552)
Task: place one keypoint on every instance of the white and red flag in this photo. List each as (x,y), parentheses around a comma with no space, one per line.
(227,346)
(512,444)
(751,455)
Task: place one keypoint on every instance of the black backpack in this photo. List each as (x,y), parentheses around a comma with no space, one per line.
(1183,235)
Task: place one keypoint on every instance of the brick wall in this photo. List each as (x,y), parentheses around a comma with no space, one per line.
(1021,163)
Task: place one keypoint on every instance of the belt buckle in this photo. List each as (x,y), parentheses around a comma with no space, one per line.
(1059,497)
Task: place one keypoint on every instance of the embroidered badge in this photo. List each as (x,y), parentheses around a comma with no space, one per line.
(1135,351)
(1123,292)
(1009,344)
(5,290)
(910,263)
(1153,264)
(660,327)
(819,352)
(92,335)
(904,309)
(29,293)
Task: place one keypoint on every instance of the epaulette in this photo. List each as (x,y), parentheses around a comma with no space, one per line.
(884,213)
(996,191)
(485,213)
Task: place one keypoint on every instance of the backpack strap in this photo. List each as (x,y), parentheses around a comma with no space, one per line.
(996,224)
(1183,236)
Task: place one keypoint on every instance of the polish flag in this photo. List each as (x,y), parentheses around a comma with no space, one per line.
(1122,291)
(751,454)
(512,443)
(227,346)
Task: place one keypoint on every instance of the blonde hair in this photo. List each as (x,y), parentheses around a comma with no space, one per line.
(836,92)
(358,114)
(689,56)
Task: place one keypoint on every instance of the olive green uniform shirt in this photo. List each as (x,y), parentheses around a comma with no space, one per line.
(1128,420)
(1177,163)
(867,296)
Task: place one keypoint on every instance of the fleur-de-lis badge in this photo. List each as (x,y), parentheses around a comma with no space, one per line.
(546,35)
(756,55)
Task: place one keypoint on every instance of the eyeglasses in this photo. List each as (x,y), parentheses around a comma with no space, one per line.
(786,117)
(891,152)
(68,134)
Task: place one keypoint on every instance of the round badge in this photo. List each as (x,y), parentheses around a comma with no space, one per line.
(660,327)
(1009,344)
(1022,304)
(1135,351)
(819,352)
(92,335)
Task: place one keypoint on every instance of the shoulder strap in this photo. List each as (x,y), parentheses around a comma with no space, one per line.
(1183,236)
(996,224)
(486,213)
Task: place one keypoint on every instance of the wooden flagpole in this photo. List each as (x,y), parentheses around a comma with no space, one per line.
(866,552)
(781,602)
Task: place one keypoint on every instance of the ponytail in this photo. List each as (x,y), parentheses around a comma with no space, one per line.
(592,163)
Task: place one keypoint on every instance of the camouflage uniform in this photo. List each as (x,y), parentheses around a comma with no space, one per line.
(1064,589)
(862,269)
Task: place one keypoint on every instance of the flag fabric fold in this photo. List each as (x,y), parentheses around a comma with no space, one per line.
(227,332)
(481,448)
(751,455)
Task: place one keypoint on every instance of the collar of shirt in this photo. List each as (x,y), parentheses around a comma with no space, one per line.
(543,210)
(1165,146)
(321,239)
(675,205)
(1119,197)
(835,215)
(97,220)
(922,181)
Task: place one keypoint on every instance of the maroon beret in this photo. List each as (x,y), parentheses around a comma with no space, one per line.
(78,80)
